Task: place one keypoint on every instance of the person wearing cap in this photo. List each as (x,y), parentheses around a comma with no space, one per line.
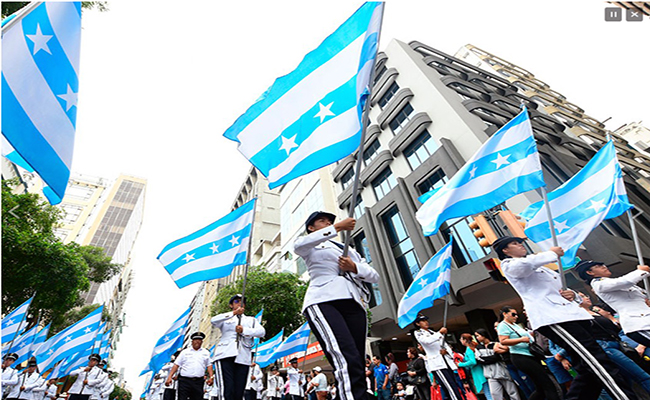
(88,378)
(622,294)
(9,375)
(275,383)
(233,355)
(50,390)
(556,313)
(336,300)
(29,380)
(437,364)
(295,379)
(319,383)
(254,383)
(191,365)
(107,386)
(170,391)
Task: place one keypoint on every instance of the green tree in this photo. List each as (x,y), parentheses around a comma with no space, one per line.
(100,266)
(119,394)
(72,316)
(10,7)
(279,294)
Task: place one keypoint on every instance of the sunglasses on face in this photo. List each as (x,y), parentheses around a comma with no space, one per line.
(514,314)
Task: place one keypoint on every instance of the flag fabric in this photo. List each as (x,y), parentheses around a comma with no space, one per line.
(23,344)
(40,83)
(168,343)
(594,194)
(506,164)
(105,348)
(14,323)
(265,353)
(430,283)
(311,117)
(73,339)
(296,342)
(39,339)
(258,317)
(211,252)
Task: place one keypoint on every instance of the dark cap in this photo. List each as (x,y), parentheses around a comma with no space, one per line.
(95,357)
(235,297)
(585,265)
(31,363)
(420,318)
(198,335)
(12,356)
(293,360)
(317,214)
(102,363)
(503,242)
(274,368)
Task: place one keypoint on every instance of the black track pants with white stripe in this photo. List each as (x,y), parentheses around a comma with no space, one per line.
(231,378)
(641,337)
(595,370)
(341,328)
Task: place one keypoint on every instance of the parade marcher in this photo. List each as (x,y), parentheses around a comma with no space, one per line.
(254,382)
(295,380)
(494,369)
(50,390)
(417,372)
(191,365)
(87,379)
(9,375)
(275,383)
(336,300)
(233,355)
(319,383)
(480,383)
(28,380)
(556,314)
(622,294)
(433,344)
(170,391)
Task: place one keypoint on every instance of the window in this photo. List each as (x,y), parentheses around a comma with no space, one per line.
(388,95)
(361,246)
(379,73)
(421,149)
(434,181)
(401,119)
(359,209)
(370,152)
(401,245)
(465,248)
(384,183)
(346,179)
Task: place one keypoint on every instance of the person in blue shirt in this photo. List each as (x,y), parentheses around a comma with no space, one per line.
(382,383)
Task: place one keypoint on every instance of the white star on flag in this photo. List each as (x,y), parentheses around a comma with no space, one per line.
(561,226)
(423,282)
(180,330)
(324,112)
(10,322)
(166,338)
(501,160)
(472,171)
(49,353)
(23,344)
(234,240)
(67,339)
(69,97)
(40,40)
(596,205)
(214,248)
(188,257)
(288,144)
(88,330)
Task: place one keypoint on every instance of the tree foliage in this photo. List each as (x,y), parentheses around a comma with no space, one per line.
(74,315)
(119,393)
(279,294)
(10,7)
(100,266)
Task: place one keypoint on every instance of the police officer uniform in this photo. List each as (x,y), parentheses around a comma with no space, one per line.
(80,390)
(275,384)
(296,379)
(562,321)
(9,375)
(170,391)
(27,382)
(233,355)
(192,365)
(626,297)
(254,383)
(335,304)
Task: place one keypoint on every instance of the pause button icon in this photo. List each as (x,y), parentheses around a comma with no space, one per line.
(613,14)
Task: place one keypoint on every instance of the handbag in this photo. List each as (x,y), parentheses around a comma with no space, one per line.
(625,348)
(535,350)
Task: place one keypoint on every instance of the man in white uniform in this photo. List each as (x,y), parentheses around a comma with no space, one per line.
(275,384)
(254,382)
(233,355)
(9,375)
(87,379)
(191,365)
(28,380)
(296,380)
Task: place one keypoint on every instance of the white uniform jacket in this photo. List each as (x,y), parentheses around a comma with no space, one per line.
(539,288)
(9,379)
(623,295)
(29,381)
(106,388)
(94,377)
(274,387)
(50,392)
(165,370)
(295,381)
(228,346)
(39,391)
(326,283)
(432,342)
(256,384)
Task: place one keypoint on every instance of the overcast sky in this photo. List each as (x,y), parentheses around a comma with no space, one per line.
(160,81)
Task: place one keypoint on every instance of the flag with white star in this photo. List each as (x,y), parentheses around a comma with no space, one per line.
(168,343)
(211,252)
(431,283)
(295,345)
(311,117)
(40,82)
(594,194)
(506,165)
(13,324)
(73,339)
(25,345)
(264,354)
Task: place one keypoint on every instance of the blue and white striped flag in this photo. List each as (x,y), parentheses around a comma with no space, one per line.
(431,283)
(506,164)
(40,338)
(211,252)
(14,323)
(594,194)
(40,82)
(25,345)
(167,345)
(296,342)
(73,339)
(265,354)
(258,317)
(311,117)
(105,349)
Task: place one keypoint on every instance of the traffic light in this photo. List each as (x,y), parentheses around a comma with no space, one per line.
(483,231)
(493,266)
(513,223)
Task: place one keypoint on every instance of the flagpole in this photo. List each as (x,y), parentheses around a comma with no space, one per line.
(553,235)
(22,319)
(639,255)
(364,127)
(20,14)
(248,261)
(444,314)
